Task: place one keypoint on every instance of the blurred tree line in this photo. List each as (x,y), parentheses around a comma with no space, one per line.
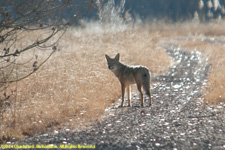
(174,10)
(177,10)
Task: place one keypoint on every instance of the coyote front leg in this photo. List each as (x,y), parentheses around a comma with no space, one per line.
(123,92)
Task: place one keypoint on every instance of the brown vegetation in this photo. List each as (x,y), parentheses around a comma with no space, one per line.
(73,89)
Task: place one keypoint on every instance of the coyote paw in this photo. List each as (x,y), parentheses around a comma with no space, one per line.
(121,106)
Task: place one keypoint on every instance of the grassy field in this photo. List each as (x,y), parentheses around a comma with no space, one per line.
(73,89)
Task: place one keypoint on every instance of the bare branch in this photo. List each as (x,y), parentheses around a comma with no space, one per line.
(18,18)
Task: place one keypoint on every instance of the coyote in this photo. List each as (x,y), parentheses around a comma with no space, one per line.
(128,75)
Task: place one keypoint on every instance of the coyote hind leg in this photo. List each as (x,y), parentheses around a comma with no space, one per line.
(128,95)
(139,89)
(149,96)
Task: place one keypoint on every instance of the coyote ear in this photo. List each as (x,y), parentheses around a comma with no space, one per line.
(117,57)
(107,57)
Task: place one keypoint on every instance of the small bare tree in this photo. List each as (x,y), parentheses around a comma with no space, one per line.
(19,17)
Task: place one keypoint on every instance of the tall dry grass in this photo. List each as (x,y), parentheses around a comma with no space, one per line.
(73,89)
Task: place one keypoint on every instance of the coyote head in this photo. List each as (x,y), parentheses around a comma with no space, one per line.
(113,62)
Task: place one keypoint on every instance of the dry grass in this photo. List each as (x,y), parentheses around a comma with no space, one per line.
(73,89)
(189,29)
